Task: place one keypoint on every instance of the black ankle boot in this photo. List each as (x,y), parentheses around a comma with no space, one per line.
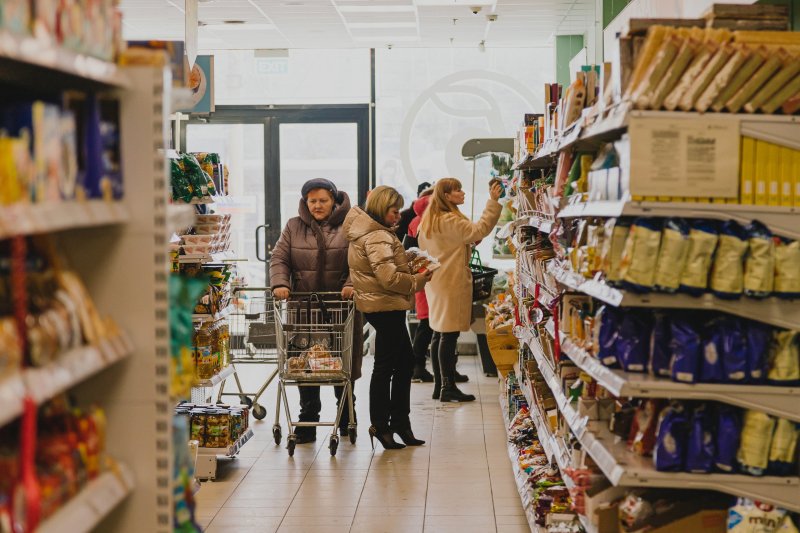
(450,393)
(407,436)
(385,437)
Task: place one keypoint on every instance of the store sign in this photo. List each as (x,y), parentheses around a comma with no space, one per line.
(695,157)
(272,66)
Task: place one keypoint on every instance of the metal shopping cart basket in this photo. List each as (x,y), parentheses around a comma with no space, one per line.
(252,341)
(314,333)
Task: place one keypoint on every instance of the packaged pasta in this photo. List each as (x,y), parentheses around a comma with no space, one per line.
(759,337)
(700,449)
(672,255)
(703,237)
(759,267)
(659,364)
(728,428)
(787,268)
(784,359)
(783,450)
(632,345)
(754,447)
(686,349)
(638,265)
(727,274)
(617,231)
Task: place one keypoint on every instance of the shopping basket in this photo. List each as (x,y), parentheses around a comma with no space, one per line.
(314,335)
(482,278)
(252,341)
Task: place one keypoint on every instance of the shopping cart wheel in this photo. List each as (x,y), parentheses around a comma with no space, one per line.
(353,432)
(334,445)
(245,400)
(259,412)
(276,433)
(291,442)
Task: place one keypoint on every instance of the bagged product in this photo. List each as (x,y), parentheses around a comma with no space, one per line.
(617,231)
(700,450)
(783,451)
(672,255)
(669,454)
(727,273)
(734,351)
(787,268)
(713,351)
(660,346)
(759,267)
(784,359)
(608,332)
(728,432)
(758,342)
(754,447)
(642,438)
(633,342)
(703,237)
(751,517)
(638,264)
(686,349)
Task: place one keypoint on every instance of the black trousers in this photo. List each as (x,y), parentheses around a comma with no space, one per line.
(310,406)
(422,340)
(444,349)
(390,387)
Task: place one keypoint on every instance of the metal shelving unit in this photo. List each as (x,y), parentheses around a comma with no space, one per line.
(30,219)
(219,315)
(180,216)
(206,465)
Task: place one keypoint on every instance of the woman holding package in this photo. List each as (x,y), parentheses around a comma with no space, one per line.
(384,286)
(311,256)
(448,235)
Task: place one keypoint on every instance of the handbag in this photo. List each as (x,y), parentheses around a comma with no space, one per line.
(302,341)
(482,277)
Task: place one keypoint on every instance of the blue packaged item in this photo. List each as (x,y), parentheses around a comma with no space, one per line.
(703,239)
(607,337)
(758,340)
(734,350)
(659,346)
(711,370)
(700,449)
(669,454)
(727,273)
(633,341)
(728,431)
(686,351)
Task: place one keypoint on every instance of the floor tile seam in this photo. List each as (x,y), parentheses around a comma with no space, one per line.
(363,486)
(486,451)
(308,470)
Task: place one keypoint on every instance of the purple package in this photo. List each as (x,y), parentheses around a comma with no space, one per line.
(686,349)
(758,339)
(711,370)
(729,430)
(700,450)
(607,337)
(633,342)
(734,356)
(669,454)
(659,346)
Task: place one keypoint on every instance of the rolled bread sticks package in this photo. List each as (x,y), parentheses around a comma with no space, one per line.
(703,239)
(672,255)
(727,273)
(759,266)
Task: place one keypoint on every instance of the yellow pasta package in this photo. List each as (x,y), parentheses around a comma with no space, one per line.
(746,181)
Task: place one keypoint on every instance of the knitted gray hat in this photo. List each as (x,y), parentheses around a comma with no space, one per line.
(320,183)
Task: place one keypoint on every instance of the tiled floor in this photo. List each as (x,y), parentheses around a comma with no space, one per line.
(459,482)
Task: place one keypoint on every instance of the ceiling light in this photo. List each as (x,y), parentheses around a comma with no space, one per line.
(370,25)
(455,3)
(394,39)
(376,9)
(227,26)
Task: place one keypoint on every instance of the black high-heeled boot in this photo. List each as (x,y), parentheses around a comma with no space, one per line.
(407,436)
(385,437)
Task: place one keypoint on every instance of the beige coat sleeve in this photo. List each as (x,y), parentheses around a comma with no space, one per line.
(380,254)
(470,232)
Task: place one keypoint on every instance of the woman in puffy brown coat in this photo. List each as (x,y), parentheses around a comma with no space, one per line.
(384,286)
(311,256)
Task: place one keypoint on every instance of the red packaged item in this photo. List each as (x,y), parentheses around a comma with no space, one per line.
(642,438)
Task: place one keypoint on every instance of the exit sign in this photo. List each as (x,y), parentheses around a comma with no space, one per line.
(272,65)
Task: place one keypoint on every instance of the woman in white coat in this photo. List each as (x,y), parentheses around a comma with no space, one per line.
(448,235)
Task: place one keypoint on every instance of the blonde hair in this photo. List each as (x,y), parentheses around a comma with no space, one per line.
(380,200)
(439,206)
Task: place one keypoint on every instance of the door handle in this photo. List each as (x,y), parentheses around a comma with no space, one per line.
(264,227)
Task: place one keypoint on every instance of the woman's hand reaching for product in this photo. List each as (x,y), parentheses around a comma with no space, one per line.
(347,293)
(281,293)
(495,191)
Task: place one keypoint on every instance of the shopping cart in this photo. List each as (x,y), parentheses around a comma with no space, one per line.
(252,342)
(314,333)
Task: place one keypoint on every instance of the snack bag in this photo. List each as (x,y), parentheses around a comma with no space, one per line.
(783,450)
(713,350)
(725,352)
(728,432)
(669,454)
(754,448)
(758,337)
(701,448)
(617,231)
(608,332)
(787,268)
(672,255)
(643,430)
(638,265)
(659,346)
(686,351)
(748,517)
(703,237)
(784,359)
(633,342)
(759,267)
(727,273)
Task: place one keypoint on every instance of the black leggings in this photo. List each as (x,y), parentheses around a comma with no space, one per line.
(422,341)
(310,405)
(390,387)
(444,347)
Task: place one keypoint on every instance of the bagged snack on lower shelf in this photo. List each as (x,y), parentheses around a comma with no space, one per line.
(638,265)
(787,268)
(669,453)
(660,355)
(783,450)
(642,438)
(700,448)
(703,237)
(725,353)
(728,433)
(784,359)
(686,347)
(672,255)
(727,273)
(757,517)
(607,334)
(759,268)
(711,370)
(757,430)
(633,342)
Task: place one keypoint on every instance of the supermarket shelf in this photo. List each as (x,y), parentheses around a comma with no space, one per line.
(198,201)
(71,368)
(216,379)
(26,60)
(774,311)
(520,478)
(624,468)
(217,316)
(180,216)
(783,221)
(231,450)
(29,219)
(217,257)
(541,222)
(87,509)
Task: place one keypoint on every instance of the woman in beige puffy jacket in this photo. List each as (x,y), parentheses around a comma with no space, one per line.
(448,235)
(384,287)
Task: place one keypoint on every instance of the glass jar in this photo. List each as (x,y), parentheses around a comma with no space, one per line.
(198,420)
(218,428)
